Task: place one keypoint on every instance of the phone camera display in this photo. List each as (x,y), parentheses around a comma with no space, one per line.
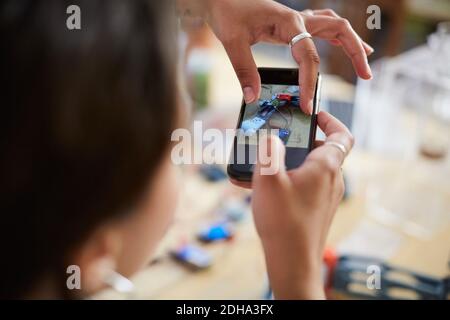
(277,111)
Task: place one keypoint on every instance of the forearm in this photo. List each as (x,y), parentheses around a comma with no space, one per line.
(293,275)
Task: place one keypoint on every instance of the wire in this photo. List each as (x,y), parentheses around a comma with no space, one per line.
(288,120)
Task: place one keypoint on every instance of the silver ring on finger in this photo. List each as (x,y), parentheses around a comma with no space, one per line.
(338,146)
(299,37)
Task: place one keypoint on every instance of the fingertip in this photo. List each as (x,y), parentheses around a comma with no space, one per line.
(362,67)
(368,74)
(306,108)
(271,154)
(276,141)
(310,107)
(249,95)
(321,117)
(275,145)
(306,104)
(367,70)
(329,124)
(364,72)
(369,49)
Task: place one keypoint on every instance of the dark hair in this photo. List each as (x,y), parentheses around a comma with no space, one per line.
(86,116)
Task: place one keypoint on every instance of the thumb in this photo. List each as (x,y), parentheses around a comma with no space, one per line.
(246,70)
(270,165)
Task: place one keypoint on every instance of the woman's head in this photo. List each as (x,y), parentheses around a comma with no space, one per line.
(84,137)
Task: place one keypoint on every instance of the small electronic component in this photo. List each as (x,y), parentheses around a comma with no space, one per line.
(216,232)
(284,135)
(233,210)
(193,257)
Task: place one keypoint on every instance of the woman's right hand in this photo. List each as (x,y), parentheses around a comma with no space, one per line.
(240,24)
(293,211)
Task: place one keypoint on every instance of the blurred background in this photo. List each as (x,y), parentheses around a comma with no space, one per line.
(396,212)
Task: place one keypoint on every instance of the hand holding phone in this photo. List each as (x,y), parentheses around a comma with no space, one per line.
(293,211)
(276,112)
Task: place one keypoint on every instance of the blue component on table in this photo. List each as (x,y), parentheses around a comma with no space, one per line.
(216,232)
(193,257)
(234,211)
(213,173)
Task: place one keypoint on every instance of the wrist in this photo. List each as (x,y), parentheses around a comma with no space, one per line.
(293,272)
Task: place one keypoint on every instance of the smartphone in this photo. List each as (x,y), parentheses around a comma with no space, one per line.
(277,110)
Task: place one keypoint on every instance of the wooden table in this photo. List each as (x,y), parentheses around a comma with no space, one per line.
(238,271)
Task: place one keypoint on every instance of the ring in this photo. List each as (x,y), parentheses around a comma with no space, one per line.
(299,37)
(337,145)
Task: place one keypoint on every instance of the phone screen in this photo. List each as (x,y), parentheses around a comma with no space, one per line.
(277,109)
(278,112)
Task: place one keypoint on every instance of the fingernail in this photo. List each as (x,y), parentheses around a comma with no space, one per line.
(369,73)
(371,49)
(368,70)
(249,95)
(310,108)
